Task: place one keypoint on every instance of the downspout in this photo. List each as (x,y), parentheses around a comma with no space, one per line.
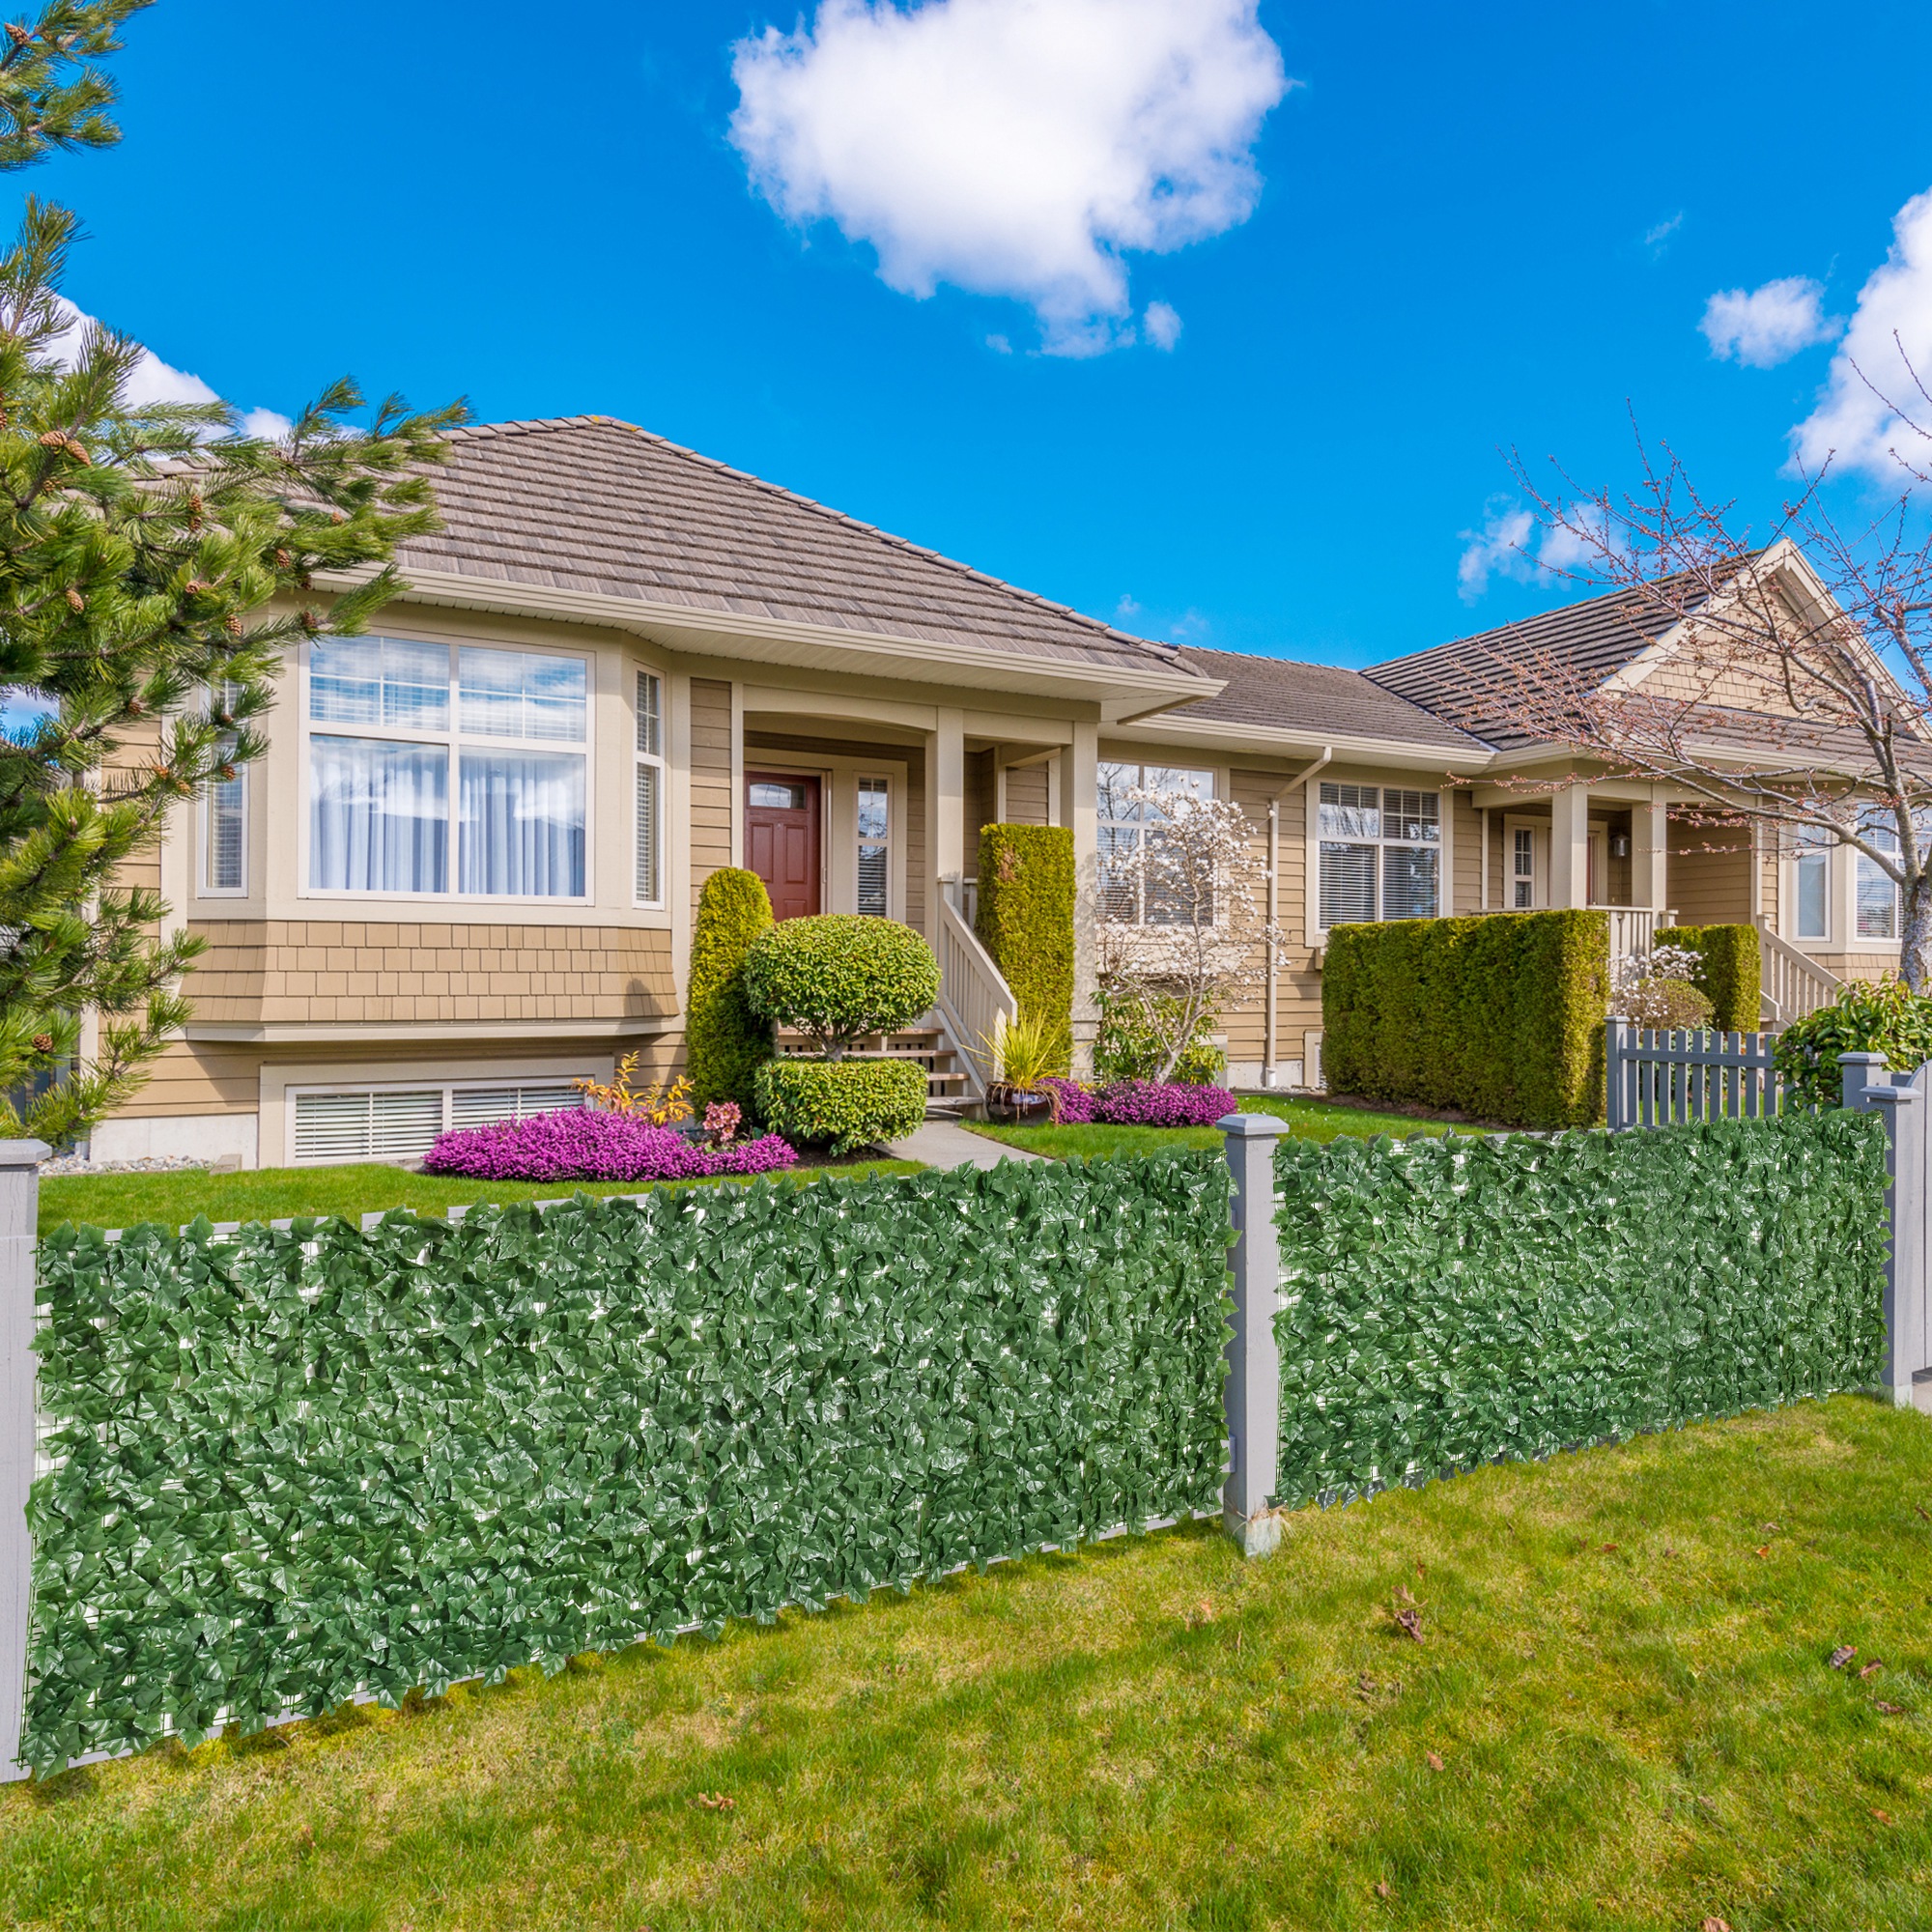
(1301,777)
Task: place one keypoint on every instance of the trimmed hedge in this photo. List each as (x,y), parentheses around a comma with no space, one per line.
(1025,918)
(1732,972)
(1453,1302)
(292,1464)
(725,1042)
(1500,1018)
(840,976)
(842,1103)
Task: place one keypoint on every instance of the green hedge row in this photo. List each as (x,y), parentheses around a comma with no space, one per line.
(725,1042)
(1502,1017)
(1732,973)
(295,1465)
(1025,918)
(1452,1302)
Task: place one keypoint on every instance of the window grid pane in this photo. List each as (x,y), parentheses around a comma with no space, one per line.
(379,815)
(522,825)
(651,833)
(1813,882)
(874,848)
(1409,882)
(1347,884)
(1878,901)
(379,681)
(521,695)
(227,823)
(650,715)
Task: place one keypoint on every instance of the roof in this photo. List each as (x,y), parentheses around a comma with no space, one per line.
(1475,681)
(590,503)
(1281,695)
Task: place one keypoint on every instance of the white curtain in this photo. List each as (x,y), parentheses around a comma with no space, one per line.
(379,817)
(521,817)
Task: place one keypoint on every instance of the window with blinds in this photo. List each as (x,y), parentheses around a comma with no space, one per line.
(400,1124)
(224,823)
(650,789)
(875,847)
(1380,853)
(1124,822)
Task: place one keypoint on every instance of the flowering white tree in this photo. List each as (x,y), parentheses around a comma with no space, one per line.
(1181,929)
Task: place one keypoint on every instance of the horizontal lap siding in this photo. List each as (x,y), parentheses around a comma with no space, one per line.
(1710,887)
(982,805)
(1026,795)
(711,780)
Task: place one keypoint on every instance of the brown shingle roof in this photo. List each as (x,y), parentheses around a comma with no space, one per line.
(593,504)
(1281,695)
(1476,681)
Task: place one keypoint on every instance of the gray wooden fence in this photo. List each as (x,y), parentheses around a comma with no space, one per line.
(1668,1079)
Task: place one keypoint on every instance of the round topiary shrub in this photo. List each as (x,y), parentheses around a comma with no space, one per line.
(841,1103)
(725,1042)
(840,976)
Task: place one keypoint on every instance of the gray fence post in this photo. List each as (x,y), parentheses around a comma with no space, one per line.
(1252,1389)
(20,1216)
(1900,1098)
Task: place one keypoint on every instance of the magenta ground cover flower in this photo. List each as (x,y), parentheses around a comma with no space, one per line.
(1142,1103)
(581,1143)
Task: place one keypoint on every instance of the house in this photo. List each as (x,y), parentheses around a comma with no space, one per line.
(464,874)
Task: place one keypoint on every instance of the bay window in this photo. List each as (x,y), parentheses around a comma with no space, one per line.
(1380,853)
(650,784)
(420,754)
(1124,824)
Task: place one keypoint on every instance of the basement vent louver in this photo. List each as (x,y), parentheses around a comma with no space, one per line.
(396,1125)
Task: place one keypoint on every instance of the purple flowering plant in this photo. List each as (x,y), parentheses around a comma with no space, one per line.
(1140,1103)
(580,1144)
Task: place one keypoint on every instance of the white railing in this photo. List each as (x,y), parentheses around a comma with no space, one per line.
(1633,930)
(1793,983)
(975,1001)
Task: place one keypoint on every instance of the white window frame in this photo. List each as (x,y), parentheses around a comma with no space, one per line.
(1142,767)
(1813,846)
(208,889)
(644,758)
(1380,841)
(1537,833)
(860,842)
(448,1090)
(454,739)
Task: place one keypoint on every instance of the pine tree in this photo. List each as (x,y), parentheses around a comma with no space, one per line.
(157,564)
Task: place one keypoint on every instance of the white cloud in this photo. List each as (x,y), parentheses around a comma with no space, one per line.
(1162,325)
(1016,148)
(1768,324)
(1499,549)
(157,381)
(1893,315)
(1658,238)
(269,424)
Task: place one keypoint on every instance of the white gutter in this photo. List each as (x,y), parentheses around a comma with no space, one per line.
(1274,908)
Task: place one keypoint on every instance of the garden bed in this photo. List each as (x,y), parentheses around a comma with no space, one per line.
(1308,1119)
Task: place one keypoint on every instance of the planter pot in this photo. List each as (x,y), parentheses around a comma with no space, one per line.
(1017,1106)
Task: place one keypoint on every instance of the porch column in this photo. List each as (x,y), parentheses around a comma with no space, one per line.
(1079,804)
(1650,849)
(1569,847)
(947,762)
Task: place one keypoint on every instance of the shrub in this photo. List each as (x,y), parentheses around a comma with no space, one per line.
(1667,1005)
(840,976)
(1127,1047)
(1025,921)
(580,1144)
(842,1103)
(1731,971)
(1140,1103)
(1868,1016)
(1501,1016)
(725,1042)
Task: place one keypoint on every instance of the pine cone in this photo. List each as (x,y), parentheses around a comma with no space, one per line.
(283,560)
(18,34)
(44,1042)
(75,598)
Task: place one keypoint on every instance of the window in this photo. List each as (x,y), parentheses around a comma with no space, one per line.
(1380,853)
(425,755)
(875,847)
(398,1125)
(224,835)
(1877,894)
(650,781)
(1124,823)
(1522,867)
(1811,884)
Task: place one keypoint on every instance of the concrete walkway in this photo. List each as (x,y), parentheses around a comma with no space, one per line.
(942,1144)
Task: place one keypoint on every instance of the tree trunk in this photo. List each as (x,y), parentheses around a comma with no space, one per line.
(1914,939)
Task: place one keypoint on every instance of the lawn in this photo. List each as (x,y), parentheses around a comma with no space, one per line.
(1620,1715)
(1310,1119)
(269,1193)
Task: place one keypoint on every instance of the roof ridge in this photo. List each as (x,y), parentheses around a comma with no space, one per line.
(1164,650)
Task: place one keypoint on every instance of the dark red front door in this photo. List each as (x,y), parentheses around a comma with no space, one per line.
(782,839)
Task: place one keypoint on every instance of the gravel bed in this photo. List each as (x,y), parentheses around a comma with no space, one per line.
(74,1163)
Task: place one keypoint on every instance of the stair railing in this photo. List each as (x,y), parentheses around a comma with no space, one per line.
(974,1002)
(1793,983)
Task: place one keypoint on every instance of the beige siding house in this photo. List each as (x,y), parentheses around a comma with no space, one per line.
(464,875)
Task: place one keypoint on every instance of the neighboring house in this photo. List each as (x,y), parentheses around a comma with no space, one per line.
(464,874)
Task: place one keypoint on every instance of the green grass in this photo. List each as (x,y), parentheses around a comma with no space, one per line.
(270,1193)
(1311,1120)
(1623,1674)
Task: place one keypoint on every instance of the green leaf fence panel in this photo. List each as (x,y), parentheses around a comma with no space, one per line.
(1447,1303)
(293,1466)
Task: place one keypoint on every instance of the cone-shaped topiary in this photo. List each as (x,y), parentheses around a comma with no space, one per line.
(840,976)
(1026,920)
(724,1040)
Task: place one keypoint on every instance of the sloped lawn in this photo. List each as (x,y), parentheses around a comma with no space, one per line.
(1310,1119)
(270,1193)
(1623,1672)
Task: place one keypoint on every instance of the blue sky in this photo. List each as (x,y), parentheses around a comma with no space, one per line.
(1457,230)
